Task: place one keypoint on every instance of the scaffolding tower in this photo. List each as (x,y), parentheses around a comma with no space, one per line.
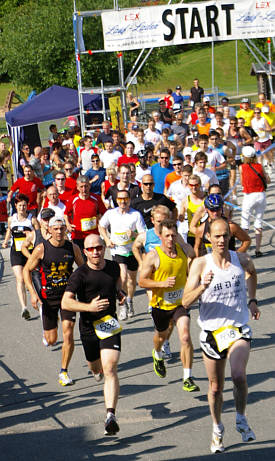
(102,89)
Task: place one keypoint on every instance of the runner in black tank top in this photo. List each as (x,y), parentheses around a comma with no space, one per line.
(55,257)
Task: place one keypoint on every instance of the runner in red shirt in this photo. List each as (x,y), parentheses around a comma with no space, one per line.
(65,193)
(31,186)
(83,212)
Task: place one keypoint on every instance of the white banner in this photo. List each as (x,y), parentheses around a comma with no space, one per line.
(177,24)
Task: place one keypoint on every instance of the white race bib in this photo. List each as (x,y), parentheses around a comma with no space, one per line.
(18,243)
(225,336)
(172,297)
(122,238)
(88,224)
(106,326)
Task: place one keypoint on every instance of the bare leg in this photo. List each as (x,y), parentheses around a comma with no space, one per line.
(131,283)
(238,358)
(215,372)
(109,360)
(258,237)
(20,286)
(186,353)
(51,336)
(68,343)
(159,338)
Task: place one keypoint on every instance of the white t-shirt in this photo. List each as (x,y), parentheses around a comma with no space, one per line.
(86,159)
(214,157)
(207,176)
(108,158)
(177,192)
(140,172)
(58,209)
(152,136)
(120,223)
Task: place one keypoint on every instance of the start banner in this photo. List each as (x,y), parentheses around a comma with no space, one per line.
(178,24)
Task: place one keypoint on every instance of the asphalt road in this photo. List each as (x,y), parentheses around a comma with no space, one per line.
(40,420)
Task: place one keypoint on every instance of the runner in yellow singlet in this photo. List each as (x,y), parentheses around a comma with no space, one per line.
(164,271)
(192,203)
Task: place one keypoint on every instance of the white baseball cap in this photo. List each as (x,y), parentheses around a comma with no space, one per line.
(206,99)
(248,151)
(57,220)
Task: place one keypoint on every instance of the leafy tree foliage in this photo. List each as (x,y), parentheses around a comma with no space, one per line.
(37,47)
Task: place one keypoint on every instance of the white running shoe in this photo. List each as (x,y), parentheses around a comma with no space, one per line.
(217,442)
(245,431)
(130,309)
(111,426)
(166,352)
(45,342)
(64,379)
(123,312)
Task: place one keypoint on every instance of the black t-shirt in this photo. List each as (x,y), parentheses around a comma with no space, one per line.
(145,206)
(134,192)
(103,137)
(87,283)
(196,94)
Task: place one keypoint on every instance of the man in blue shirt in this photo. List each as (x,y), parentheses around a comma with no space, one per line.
(96,175)
(161,169)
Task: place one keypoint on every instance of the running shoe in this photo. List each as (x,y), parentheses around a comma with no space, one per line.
(159,366)
(98,376)
(123,312)
(64,379)
(25,314)
(189,385)
(111,426)
(258,254)
(166,352)
(217,442)
(45,342)
(149,309)
(130,309)
(245,431)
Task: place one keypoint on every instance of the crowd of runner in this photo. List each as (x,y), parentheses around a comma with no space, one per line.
(160,197)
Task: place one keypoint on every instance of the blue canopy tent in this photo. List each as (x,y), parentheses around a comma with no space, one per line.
(53,103)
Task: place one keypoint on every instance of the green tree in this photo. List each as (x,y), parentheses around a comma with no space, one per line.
(37,47)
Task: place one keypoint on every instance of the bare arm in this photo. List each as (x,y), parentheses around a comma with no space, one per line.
(35,223)
(251,282)
(198,240)
(78,255)
(196,218)
(104,234)
(33,262)
(195,286)
(69,226)
(241,235)
(149,265)
(137,246)
(27,242)
(71,304)
(8,235)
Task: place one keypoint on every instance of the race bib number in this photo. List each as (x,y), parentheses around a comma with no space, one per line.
(106,326)
(18,243)
(226,336)
(173,297)
(88,224)
(122,238)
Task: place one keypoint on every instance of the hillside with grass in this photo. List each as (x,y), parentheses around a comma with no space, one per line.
(197,63)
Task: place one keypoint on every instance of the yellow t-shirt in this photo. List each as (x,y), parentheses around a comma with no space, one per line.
(169,298)
(191,209)
(247,115)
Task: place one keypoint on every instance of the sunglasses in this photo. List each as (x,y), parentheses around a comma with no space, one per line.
(68,169)
(60,179)
(95,160)
(148,183)
(177,164)
(166,158)
(97,248)
(123,199)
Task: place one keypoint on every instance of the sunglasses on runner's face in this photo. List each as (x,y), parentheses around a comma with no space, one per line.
(148,183)
(97,248)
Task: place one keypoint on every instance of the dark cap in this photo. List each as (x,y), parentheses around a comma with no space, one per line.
(47,213)
(245,100)
(224,99)
(178,87)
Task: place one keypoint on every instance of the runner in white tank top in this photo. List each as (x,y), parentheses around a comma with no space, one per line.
(218,279)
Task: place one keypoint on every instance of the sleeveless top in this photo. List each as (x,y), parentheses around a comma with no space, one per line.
(18,230)
(169,298)
(251,181)
(56,268)
(191,209)
(151,240)
(224,302)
